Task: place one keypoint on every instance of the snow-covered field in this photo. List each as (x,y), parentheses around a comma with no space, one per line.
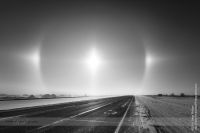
(170,114)
(5,105)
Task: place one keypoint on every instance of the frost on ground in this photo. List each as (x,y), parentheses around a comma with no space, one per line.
(143,119)
(138,120)
(166,114)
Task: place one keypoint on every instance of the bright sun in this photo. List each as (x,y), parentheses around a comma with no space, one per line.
(35,58)
(93,61)
(149,60)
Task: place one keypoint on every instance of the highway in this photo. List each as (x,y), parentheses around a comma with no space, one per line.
(107,115)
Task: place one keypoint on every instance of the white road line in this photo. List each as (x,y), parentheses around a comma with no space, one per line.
(122,120)
(11,117)
(94,121)
(68,118)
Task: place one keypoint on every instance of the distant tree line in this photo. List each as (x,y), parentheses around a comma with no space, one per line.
(43,96)
(32,96)
(172,95)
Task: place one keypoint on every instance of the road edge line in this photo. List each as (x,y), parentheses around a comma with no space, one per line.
(122,120)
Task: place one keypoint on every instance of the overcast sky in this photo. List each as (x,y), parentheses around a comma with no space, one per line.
(144,47)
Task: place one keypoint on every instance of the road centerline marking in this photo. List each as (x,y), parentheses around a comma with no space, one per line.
(122,120)
(68,118)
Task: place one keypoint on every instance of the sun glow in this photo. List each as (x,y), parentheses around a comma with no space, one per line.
(93,61)
(35,58)
(149,60)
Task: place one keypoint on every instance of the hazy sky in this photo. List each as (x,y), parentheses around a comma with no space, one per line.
(140,47)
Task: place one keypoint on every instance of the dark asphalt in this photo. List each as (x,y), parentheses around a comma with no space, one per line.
(101,115)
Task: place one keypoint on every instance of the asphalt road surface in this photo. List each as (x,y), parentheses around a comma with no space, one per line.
(108,115)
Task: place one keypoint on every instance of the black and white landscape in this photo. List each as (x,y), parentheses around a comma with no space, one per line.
(105,66)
